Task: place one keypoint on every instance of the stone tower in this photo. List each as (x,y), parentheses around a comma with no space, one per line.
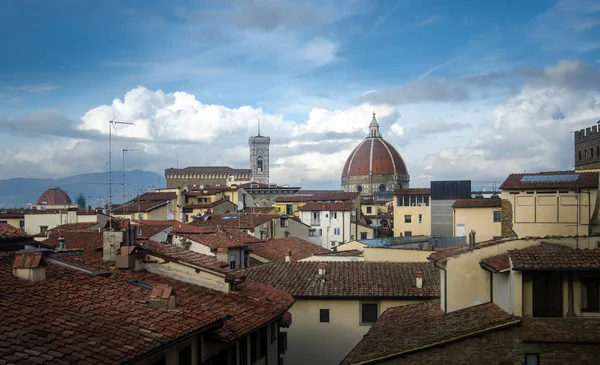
(259,157)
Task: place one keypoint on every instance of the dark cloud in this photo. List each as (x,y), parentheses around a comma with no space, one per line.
(435,127)
(427,89)
(43,123)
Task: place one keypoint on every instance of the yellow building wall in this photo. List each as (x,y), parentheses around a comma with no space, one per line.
(281,207)
(374,254)
(313,342)
(480,220)
(15,222)
(423,228)
(354,245)
(538,214)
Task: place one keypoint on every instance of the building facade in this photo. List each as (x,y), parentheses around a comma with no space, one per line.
(374,168)
(205,176)
(480,215)
(259,157)
(412,212)
(587,148)
(330,223)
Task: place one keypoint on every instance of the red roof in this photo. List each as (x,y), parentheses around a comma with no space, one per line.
(318,206)
(350,279)
(7,231)
(148,228)
(478,203)
(551,256)
(412,191)
(585,180)
(54,196)
(214,240)
(87,240)
(420,326)
(237,220)
(278,249)
(497,263)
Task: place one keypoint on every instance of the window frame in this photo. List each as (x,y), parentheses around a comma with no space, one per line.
(361,321)
(324,315)
(179,349)
(363,235)
(407,218)
(499,216)
(420,218)
(537,359)
(585,281)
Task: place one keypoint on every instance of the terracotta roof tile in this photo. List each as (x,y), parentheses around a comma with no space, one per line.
(214,240)
(445,253)
(349,279)
(549,256)
(147,229)
(135,207)
(478,203)
(209,205)
(54,196)
(412,191)
(497,263)
(344,206)
(28,260)
(87,240)
(7,231)
(347,253)
(565,330)
(585,180)
(418,326)
(277,249)
(237,220)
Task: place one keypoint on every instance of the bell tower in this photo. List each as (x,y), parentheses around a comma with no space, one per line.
(259,157)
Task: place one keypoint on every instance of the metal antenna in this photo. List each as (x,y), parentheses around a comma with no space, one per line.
(127,150)
(258,121)
(111,125)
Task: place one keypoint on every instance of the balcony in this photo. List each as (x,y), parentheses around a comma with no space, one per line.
(315,222)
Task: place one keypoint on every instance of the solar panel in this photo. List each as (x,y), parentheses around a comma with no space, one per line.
(543,178)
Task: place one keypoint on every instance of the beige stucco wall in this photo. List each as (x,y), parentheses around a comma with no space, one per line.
(467,283)
(480,220)
(423,228)
(15,222)
(395,255)
(295,229)
(312,342)
(354,245)
(540,215)
(34,221)
(357,229)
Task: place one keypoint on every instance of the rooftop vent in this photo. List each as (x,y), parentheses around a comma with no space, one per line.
(419,276)
(288,257)
(322,268)
(30,266)
(162,296)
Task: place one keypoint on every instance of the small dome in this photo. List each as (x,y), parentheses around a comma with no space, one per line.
(54,196)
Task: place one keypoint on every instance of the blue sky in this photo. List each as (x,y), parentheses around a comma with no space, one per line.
(448,79)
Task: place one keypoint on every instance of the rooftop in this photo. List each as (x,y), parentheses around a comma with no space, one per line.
(237,220)
(276,250)
(416,327)
(555,179)
(215,240)
(551,256)
(7,231)
(498,263)
(349,279)
(478,203)
(319,206)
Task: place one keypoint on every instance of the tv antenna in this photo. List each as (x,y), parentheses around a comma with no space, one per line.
(111,125)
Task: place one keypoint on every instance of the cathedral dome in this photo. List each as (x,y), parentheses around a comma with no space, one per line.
(374,166)
(54,196)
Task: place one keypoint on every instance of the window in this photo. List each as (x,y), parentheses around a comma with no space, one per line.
(585,154)
(185,355)
(580,155)
(359,188)
(368,313)
(232,264)
(532,359)
(591,152)
(407,219)
(336,231)
(333,243)
(369,210)
(4,222)
(497,216)
(22,225)
(407,233)
(140,217)
(363,235)
(283,222)
(420,218)
(259,164)
(334,215)
(590,300)
(289,209)
(324,315)
(598,151)
(382,188)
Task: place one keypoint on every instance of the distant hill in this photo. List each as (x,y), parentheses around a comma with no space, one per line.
(19,192)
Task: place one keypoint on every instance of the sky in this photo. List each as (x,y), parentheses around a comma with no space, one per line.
(463,89)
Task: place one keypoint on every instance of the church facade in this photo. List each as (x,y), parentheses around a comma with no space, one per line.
(375,168)
(225,175)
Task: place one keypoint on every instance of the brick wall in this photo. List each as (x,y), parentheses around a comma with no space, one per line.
(501,347)
(507,219)
(587,148)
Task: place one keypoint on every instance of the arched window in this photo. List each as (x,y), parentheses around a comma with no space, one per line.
(259,164)
(585,154)
(592,152)
(580,155)
(382,187)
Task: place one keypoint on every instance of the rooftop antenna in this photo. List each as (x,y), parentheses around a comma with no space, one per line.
(258,122)
(111,125)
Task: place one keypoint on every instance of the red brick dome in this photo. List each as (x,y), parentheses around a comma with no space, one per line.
(374,156)
(54,196)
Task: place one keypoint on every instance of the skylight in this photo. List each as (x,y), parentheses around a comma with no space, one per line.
(543,178)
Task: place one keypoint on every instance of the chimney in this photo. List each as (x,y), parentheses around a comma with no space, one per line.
(125,260)
(322,268)
(61,243)
(29,266)
(222,254)
(288,257)
(419,276)
(472,239)
(111,244)
(162,296)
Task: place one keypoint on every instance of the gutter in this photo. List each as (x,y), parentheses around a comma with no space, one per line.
(211,326)
(435,263)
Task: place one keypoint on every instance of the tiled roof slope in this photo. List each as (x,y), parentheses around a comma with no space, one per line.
(87,240)
(327,206)
(412,191)
(446,253)
(548,256)
(276,249)
(346,253)
(586,180)
(238,220)
(478,203)
(565,330)
(147,229)
(416,327)
(213,240)
(7,231)
(72,316)
(134,207)
(349,279)
(497,263)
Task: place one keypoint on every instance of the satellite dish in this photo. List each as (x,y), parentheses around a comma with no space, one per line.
(201,187)
(171,216)
(240,205)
